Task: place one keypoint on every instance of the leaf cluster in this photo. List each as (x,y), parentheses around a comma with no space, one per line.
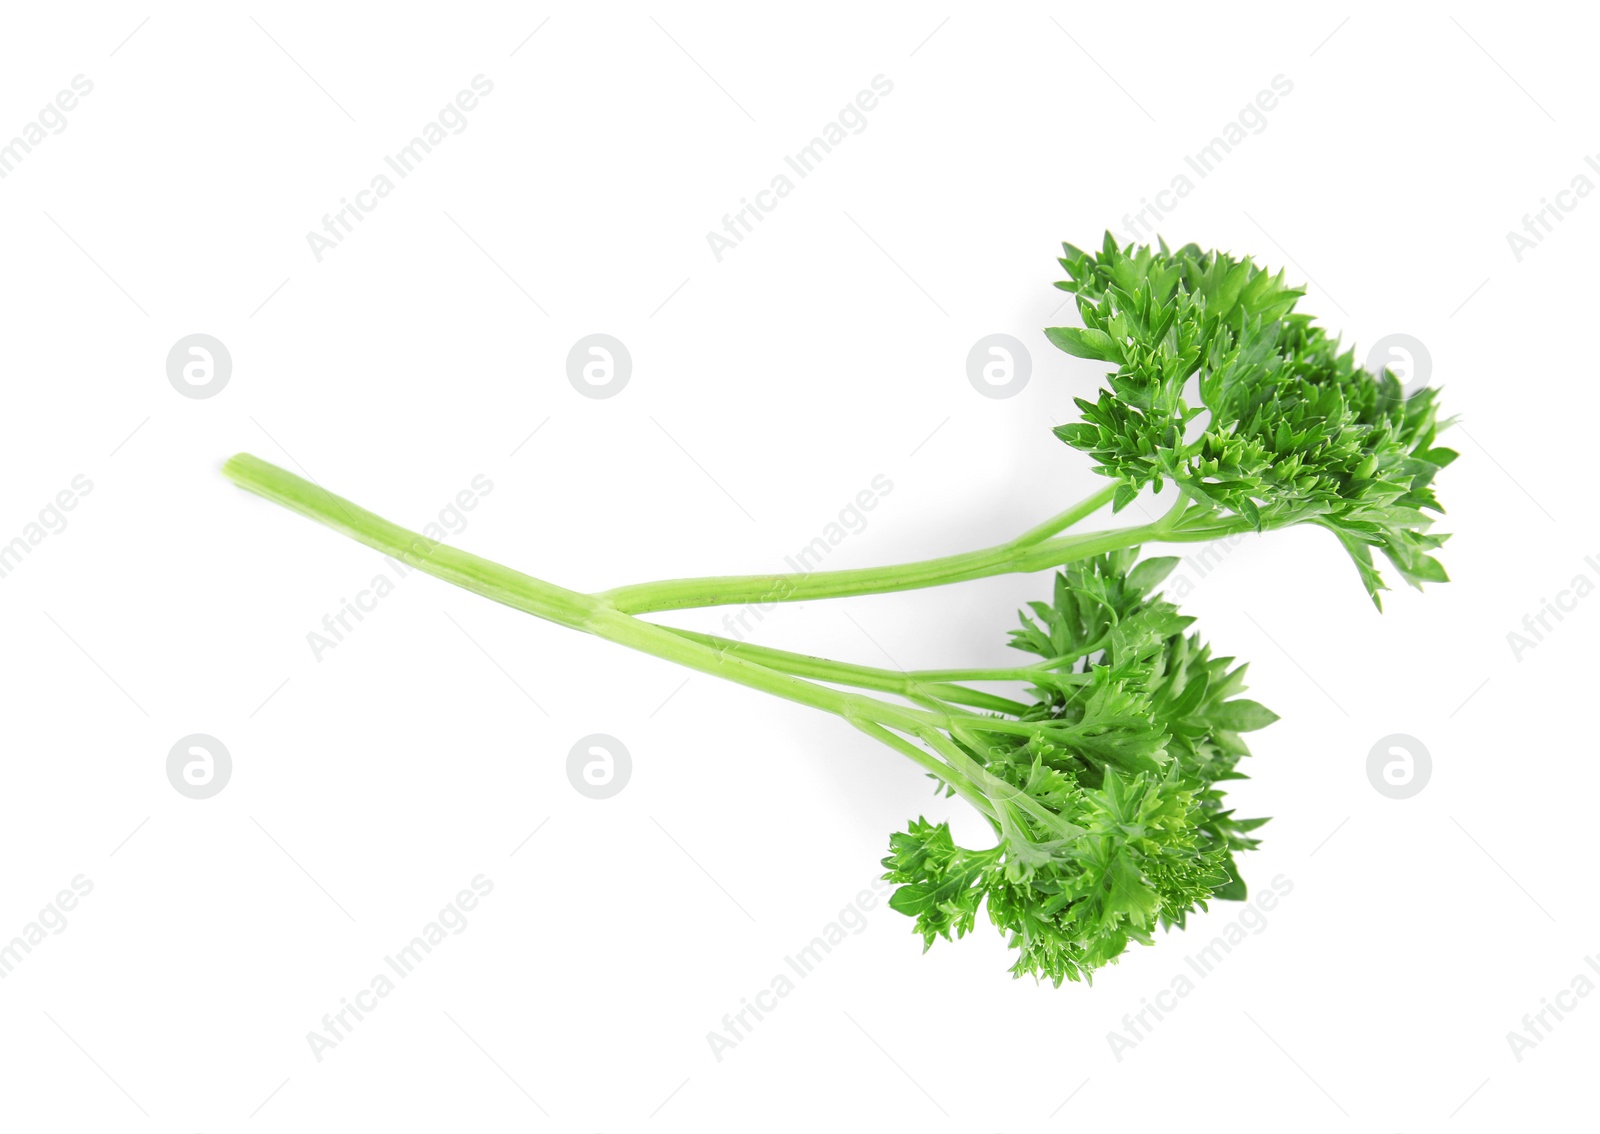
(1223,387)
(1109,812)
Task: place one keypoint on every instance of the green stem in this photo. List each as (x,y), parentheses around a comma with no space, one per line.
(805,665)
(959,782)
(906,683)
(976,698)
(1064,520)
(504,585)
(1013,673)
(589,613)
(764,590)
(1034,551)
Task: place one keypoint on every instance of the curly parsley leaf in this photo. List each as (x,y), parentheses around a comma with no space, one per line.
(1137,724)
(1287,427)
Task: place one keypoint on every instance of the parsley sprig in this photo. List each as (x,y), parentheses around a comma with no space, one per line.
(1139,723)
(1098,764)
(1287,429)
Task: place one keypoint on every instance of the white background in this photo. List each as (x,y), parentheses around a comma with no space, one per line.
(767,390)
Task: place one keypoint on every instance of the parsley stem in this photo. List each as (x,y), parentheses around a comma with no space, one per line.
(589,613)
(938,683)
(1064,520)
(1035,550)
(958,782)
